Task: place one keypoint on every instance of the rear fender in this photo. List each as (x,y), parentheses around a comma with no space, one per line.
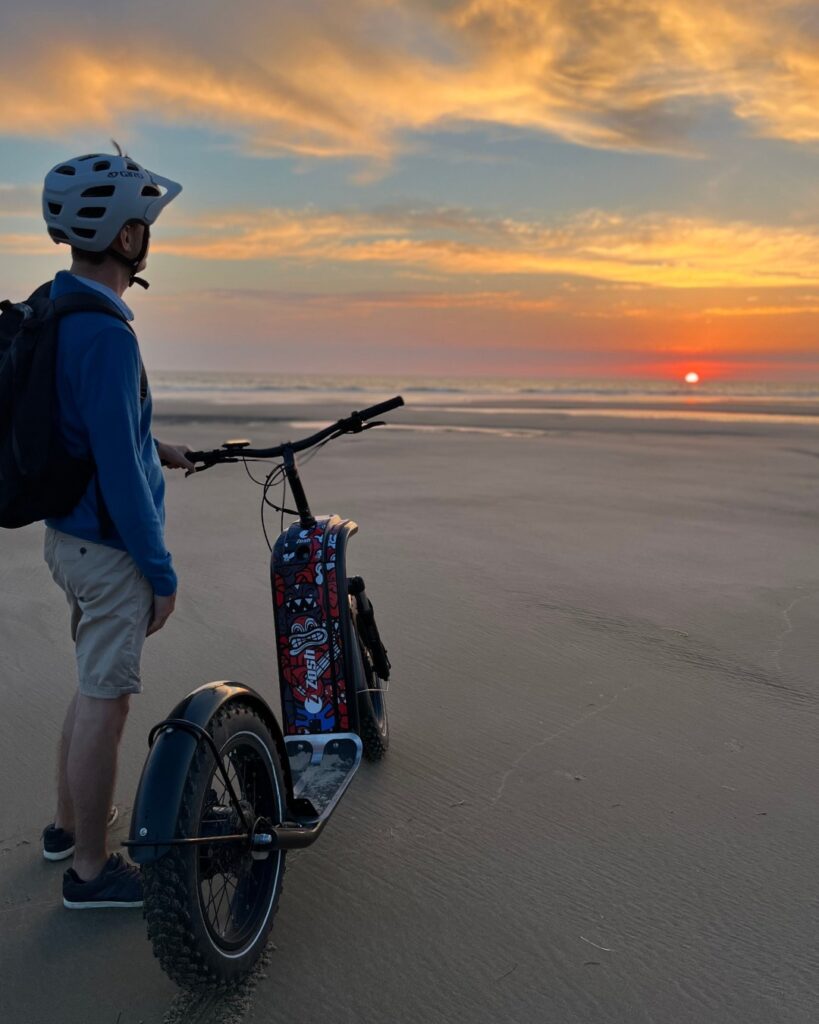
(364,615)
(162,783)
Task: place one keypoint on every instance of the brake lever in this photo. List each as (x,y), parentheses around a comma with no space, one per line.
(208,465)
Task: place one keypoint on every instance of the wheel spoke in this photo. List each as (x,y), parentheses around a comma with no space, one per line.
(231,883)
(212,897)
(217,916)
(210,906)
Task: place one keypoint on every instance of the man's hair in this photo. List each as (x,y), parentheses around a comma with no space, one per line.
(96,259)
(84,256)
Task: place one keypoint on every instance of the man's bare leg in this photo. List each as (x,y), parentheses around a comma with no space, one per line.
(91,772)
(64,817)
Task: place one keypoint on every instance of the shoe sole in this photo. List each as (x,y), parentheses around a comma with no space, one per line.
(61,855)
(101,905)
(65,854)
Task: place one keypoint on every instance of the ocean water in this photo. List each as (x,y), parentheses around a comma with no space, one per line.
(261,388)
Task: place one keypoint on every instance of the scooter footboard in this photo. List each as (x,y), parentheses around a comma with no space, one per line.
(322,767)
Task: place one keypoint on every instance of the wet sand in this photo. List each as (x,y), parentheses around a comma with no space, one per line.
(599,806)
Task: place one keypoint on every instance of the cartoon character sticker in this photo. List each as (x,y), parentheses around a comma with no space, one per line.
(309,635)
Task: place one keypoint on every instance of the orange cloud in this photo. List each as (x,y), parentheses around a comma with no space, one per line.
(499,331)
(24,244)
(354,79)
(19,201)
(651,250)
(364,303)
(754,310)
(650,254)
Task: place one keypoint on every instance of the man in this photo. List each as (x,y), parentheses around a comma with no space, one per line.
(108,554)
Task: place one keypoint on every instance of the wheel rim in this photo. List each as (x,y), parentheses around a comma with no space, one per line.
(236,892)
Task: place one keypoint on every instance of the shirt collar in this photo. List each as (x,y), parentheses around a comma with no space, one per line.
(109,294)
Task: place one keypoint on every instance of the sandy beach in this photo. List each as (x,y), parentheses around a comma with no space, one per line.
(600,801)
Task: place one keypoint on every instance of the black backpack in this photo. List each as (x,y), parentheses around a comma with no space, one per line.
(38,478)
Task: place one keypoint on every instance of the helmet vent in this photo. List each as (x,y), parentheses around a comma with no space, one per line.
(84,232)
(66,169)
(91,211)
(58,234)
(55,208)
(98,192)
(150,190)
(102,165)
(132,166)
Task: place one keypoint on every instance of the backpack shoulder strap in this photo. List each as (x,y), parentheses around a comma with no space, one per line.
(40,304)
(77,302)
(14,314)
(82,302)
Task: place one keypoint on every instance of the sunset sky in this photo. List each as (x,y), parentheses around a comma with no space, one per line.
(517,187)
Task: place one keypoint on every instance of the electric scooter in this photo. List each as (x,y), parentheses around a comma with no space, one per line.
(226,789)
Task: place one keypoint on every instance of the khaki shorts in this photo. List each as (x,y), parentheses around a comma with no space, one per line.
(111,605)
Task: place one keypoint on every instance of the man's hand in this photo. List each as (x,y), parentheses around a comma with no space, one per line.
(163,608)
(173,455)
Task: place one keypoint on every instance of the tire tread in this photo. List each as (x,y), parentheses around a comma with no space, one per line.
(166,910)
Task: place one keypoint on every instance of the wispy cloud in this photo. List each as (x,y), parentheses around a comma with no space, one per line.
(19,200)
(361,303)
(647,253)
(775,310)
(18,243)
(631,73)
(327,80)
(502,331)
(651,250)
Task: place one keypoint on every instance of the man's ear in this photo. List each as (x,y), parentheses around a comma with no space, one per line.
(126,239)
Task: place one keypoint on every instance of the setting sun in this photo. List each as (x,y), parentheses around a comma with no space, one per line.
(692,378)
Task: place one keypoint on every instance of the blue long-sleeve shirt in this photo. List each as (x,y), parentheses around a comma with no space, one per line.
(100,414)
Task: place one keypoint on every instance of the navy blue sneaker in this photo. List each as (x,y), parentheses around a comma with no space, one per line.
(59,844)
(117,885)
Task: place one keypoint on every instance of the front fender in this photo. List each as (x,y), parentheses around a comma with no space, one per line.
(162,783)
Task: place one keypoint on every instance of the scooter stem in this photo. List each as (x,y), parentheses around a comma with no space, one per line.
(306,517)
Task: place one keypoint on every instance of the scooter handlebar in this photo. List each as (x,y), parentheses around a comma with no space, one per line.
(381,408)
(234,452)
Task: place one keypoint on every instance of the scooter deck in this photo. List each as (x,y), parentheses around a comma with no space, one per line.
(322,766)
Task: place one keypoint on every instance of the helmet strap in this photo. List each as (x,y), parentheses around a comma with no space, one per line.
(132,264)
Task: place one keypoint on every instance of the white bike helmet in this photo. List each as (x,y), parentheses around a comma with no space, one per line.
(88,200)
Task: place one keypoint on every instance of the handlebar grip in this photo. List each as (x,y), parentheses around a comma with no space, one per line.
(195,456)
(381,408)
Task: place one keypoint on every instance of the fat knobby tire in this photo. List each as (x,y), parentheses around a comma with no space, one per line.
(171,895)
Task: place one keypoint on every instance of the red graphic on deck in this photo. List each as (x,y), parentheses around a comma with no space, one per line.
(308,629)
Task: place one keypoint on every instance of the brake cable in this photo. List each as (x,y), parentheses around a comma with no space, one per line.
(358,426)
